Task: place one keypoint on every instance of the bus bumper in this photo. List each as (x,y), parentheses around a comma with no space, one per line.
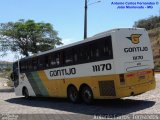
(136,89)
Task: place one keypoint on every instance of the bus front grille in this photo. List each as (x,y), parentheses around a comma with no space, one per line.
(107,88)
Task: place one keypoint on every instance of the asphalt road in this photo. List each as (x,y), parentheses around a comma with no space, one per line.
(18,108)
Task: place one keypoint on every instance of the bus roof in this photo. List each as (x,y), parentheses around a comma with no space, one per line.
(97,36)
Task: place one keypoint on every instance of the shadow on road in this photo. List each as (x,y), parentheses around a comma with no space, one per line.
(118,107)
(6,89)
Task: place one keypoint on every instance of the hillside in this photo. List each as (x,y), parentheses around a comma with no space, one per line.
(5,65)
(154,35)
(152,25)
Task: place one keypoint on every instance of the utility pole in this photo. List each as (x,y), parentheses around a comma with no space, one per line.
(85,16)
(85,19)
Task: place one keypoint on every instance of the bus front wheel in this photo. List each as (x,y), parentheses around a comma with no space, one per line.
(73,94)
(25,92)
(87,95)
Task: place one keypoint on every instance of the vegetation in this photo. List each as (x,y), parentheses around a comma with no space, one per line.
(6,73)
(10,83)
(149,23)
(27,37)
(154,35)
(152,24)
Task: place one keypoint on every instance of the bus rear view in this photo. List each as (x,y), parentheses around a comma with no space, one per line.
(133,61)
(109,65)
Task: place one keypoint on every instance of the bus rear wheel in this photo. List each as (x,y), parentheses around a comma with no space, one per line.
(87,95)
(25,93)
(73,94)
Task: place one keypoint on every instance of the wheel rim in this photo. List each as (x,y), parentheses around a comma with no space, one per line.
(87,95)
(73,94)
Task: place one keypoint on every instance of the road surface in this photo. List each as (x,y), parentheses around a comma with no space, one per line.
(18,108)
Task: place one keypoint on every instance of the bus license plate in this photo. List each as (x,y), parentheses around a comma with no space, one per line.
(142,77)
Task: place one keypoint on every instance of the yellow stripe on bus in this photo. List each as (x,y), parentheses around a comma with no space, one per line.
(58,88)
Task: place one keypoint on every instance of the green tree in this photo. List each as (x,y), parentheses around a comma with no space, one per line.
(27,37)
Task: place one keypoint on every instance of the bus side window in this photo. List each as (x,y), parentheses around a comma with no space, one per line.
(40,63)
(29,65)
(103,48)
(83,53)
(95,51)
(88,52)
(50,60)
(57,59)
(107,48)
(69,57)
(53,61)
(80,54)
(47,61)
(26,66)
(22,66)
(62,58)
(34,64)
(75,55)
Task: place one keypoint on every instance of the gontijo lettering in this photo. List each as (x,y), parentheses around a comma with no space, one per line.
(135,49)
(63,72)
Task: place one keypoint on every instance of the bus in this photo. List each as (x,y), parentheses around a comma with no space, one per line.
(113,64)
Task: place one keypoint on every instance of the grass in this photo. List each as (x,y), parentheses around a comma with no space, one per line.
(154,35)
(6,74)
(10,83)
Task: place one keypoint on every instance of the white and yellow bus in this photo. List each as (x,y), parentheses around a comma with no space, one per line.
(113,64)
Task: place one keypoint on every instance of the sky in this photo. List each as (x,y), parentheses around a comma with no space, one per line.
(67,16)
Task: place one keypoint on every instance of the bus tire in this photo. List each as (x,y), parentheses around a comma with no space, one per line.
(73,94)
(25,93)
(87,95)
